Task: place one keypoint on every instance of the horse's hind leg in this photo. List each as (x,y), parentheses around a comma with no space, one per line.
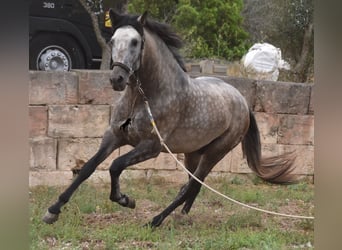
(204,167)
(191,162)
(189,191)
(108,145)
(210,156)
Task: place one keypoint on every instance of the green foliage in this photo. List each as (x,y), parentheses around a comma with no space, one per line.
(211,28)
(160,10)
(284,26)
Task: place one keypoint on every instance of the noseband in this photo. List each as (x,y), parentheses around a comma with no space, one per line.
(129,70)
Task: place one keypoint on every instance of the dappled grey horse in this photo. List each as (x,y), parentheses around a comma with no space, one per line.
(204,118)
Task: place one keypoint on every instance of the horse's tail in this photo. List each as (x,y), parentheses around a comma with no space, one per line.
(276,169)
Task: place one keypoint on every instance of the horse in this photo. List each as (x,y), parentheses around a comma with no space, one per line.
(204,118)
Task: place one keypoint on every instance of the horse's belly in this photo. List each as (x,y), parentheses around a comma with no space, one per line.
(189,140)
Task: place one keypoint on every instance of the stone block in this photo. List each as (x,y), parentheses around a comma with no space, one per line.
(176,176)
(78,120)
(73,153)
(282,97)
(304,162)
(103,176)
(195,68)
(238,163)
(234,69)
(207,66)
(43,153)
(220,69)
(268,126)
(50,178)
(188,67)
(95,87)
(38,125)
(224,164)
(100,177)
(53,87)
(296,129)
(169,176)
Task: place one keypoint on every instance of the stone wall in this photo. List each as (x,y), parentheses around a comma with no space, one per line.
(69,112)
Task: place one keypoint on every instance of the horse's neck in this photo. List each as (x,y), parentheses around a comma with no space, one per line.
(159,70)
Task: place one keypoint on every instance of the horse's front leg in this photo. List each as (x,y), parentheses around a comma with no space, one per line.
(145,150)
(109,143)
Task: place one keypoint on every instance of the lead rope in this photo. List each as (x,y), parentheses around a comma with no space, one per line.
(147,106)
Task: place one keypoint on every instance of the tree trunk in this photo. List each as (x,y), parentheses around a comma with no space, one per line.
(301,66)
(106,55)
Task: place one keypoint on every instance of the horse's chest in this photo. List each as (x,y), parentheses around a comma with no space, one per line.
(133,126)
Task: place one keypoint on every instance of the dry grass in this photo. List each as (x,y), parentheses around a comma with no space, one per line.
(91,221)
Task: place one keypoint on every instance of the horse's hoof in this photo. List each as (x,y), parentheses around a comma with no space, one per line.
(130,203)
(50,218)
(156,222)
(148,225)
(124,201)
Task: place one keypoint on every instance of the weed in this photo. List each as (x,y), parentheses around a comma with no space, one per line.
(237,180)
(249,219)
(91,221)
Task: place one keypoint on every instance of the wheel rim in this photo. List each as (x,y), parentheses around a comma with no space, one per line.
(53,58)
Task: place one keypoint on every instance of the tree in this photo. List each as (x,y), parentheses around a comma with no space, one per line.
(287,25)
(159,10)
(211,28)
(95,8)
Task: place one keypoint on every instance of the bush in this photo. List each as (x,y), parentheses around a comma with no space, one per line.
(211,28)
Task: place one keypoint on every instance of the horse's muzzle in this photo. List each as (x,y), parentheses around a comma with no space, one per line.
(118,84)
(118,79)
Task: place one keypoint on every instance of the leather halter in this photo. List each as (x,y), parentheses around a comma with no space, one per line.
(130,70)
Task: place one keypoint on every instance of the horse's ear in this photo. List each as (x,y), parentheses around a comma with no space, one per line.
(114,16)
(142,18)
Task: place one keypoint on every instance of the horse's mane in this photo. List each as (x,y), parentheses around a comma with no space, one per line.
(172,40)
(162,30)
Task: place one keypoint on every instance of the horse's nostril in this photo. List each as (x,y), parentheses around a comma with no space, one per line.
(120,79)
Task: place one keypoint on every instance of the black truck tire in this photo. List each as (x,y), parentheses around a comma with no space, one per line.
(55,52)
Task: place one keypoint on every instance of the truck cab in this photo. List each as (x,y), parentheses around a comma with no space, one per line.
(61,36)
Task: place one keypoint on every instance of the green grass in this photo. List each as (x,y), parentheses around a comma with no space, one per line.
(91,221)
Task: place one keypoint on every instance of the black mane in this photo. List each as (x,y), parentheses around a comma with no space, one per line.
(162,30)
(170,38)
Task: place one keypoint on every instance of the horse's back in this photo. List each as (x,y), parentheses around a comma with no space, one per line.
(224,97)
(216,87)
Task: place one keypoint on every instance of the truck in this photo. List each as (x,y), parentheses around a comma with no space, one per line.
(61,36)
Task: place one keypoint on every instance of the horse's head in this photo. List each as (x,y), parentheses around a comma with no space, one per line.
(127,44)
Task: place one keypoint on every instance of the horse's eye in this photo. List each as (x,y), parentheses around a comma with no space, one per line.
(134,42)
